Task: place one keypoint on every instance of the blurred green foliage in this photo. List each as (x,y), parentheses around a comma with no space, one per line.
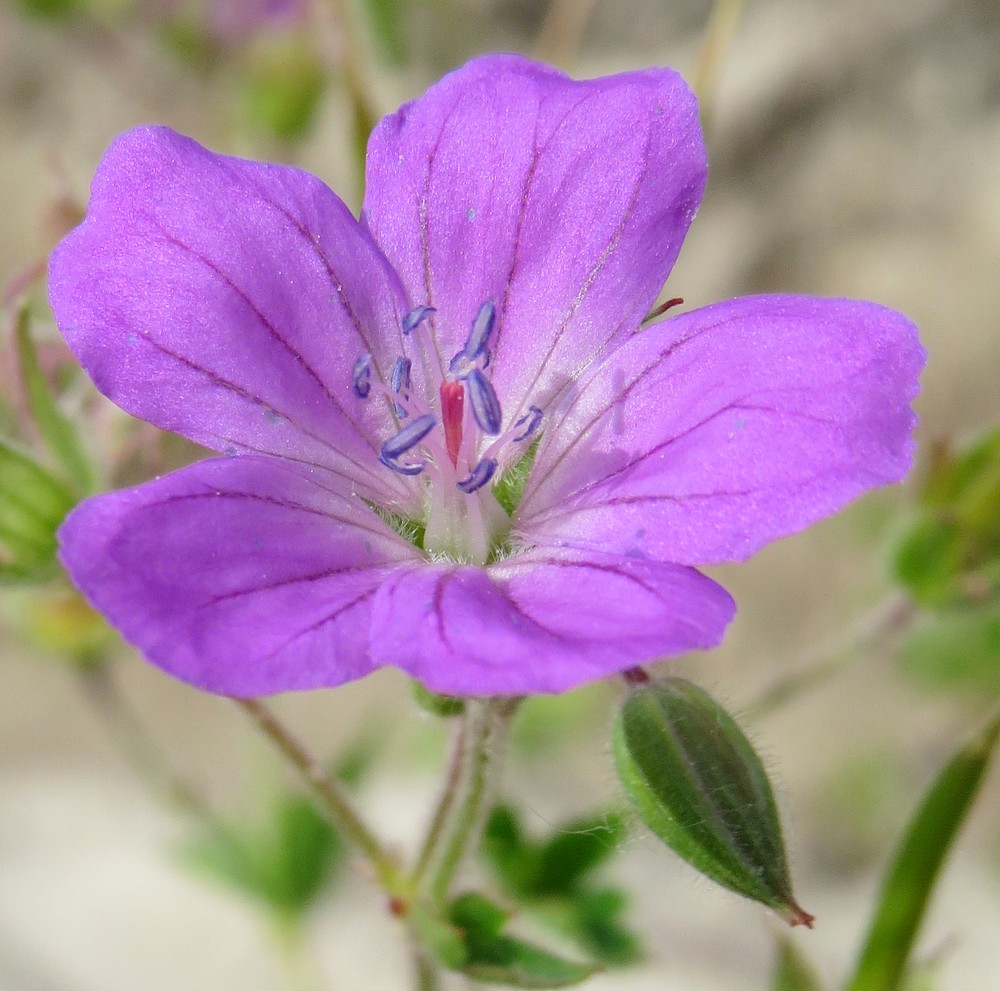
(949,561)
(284,863)
(493,956)
(952,551)
(552,878)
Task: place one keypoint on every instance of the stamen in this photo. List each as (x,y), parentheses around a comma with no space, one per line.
(411,435)
(481,474)
(401,469)
(361,376)
(479,335)
(661,309)
(415,317)
(485,405)
(530,422)
(400,382)
(452,404)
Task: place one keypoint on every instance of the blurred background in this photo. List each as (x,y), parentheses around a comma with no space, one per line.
(854,150)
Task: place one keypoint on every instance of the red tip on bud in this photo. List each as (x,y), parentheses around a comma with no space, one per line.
(398,907)
(796,915)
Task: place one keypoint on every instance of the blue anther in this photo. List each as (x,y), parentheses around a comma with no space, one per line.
(481,474)
(414,318)
(479,334)
(401,468)
(528,423)
(400,382)
(411,435)
(361,376)
(485,405)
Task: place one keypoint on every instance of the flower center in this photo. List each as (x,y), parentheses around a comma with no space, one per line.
(454,436)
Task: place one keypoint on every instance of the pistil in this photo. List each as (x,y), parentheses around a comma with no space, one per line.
(452,407)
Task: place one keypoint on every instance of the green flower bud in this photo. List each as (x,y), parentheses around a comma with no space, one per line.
(696,782)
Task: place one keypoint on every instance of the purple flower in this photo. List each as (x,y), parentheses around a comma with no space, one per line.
(380,389)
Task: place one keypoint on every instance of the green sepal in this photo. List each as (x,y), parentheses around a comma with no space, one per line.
(437,705)
(494,957)
(914,869)
(60,435)
(695,780)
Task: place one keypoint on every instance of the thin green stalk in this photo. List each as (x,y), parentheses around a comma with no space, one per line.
(336,802)
(876,634)
(485,753)
(446,803)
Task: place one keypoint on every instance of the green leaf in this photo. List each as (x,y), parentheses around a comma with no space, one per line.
(792,971)
(57,430)
(497,958)
(550,878)
(915,866)
(575,850)
(695,780)
(597,927)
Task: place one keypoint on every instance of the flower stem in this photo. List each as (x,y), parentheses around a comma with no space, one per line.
(337,804)
(456,764)
(483,760)
(426,974)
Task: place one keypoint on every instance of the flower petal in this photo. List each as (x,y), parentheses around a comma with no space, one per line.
(545,621)
(228,301)
(241,576)
(563,202)
(719,430)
